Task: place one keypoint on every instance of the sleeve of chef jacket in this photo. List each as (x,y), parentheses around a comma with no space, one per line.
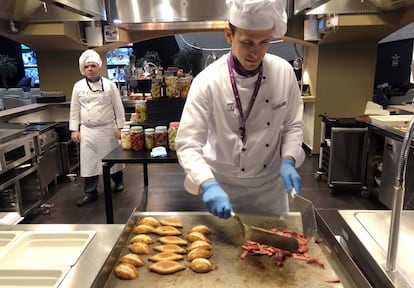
(292,133)
(192,133)
(116,101)
(74,114)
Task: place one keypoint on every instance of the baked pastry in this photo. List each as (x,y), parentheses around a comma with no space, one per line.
(203,229)
(144,238)
(151,221)
(170,248)
(171,222)
(143,229)
(167,231)
(172,240)
(201,265)
(199,244)
(133,259)
(194,236)
(166,256)
(199,253)
(166,267)
(126,271)
(139,248)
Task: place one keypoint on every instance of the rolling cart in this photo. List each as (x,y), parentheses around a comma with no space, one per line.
(343,153)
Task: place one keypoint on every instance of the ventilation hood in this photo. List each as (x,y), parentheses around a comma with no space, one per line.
(37,11)
(167,14)
(357,6)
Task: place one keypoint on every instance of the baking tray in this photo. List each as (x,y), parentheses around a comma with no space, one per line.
(7,237)
(46,249)
(27,278)
(230,270)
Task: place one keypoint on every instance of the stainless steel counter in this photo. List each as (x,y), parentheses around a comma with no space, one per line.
(85,273)
(366,234)
(230,270)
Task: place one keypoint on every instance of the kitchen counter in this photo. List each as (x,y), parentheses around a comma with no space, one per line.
(90,266)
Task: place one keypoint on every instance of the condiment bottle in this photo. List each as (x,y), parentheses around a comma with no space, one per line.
(149,138)
(137,138)
(125,138)
(172,133)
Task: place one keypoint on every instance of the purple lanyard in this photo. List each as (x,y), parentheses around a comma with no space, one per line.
(243,117)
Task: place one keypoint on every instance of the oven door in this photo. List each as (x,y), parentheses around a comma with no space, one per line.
(15,152)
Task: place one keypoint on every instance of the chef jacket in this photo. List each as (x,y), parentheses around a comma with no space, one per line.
(98,111)
(208,140)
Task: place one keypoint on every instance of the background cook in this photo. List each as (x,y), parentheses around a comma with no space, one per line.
(96,118)
(242,124)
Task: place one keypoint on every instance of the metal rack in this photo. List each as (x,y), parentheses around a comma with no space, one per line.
(343,154)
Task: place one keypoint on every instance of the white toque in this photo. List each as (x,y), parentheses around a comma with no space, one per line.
(259,15)
(89,56)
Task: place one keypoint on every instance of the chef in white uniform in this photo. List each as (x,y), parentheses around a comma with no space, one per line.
(96,118)
(240,134)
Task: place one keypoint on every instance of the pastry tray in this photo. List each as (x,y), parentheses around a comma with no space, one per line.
(7,237)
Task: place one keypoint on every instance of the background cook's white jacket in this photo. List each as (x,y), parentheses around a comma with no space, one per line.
(99,114)
(208,141)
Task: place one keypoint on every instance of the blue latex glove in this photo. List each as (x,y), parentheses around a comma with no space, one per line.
(216,199)
(290,177)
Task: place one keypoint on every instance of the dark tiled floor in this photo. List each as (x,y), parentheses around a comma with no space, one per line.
(167,194)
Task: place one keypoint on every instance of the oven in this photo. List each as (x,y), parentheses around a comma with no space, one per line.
(19,177)
(49,156)
(69,151)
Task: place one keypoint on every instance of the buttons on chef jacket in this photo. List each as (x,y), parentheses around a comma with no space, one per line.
(268,123)
(264,165)
(242,169)
(267,145)
(267,100)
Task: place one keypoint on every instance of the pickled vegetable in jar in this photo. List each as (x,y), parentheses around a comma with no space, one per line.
(137,138)
(161,136)
(149,138)
(133,118)
(141,111)
(172,133)
(156,88)
(125,139)
(183,84)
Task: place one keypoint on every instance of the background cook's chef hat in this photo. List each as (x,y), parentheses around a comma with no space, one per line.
(89,56)
(259,15)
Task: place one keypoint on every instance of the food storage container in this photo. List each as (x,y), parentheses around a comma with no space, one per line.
(137,138)
(141,111)
(126,138)
(149,138)
(172,133)
(161,136)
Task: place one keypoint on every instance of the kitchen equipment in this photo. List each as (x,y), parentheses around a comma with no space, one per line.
(263,236)
(307,212)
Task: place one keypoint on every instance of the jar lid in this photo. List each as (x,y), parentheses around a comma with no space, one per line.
(174,124)
(125,130)
(136,128)
(149,130)
(126,127)
(160,128)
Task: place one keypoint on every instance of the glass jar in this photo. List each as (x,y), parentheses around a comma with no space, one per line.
(141,111)
(137,138)
(133,118)
(126,138)
(156,88)
(183,84)
(149,138)
(161,136)
(172,133)
(171,87)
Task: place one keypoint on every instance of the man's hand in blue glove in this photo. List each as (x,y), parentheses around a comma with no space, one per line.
(290,177)
(216,199)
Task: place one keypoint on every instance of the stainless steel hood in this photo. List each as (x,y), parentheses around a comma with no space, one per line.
(352,6)
(37,11)
(167,14)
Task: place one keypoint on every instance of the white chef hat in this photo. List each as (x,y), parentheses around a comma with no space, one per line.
(89,56)
(259,15)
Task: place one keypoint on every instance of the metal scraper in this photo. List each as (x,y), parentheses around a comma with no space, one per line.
(266,237)
(307,211)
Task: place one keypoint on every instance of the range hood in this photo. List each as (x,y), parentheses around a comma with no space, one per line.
(167,14)
(356,6)
(37,11)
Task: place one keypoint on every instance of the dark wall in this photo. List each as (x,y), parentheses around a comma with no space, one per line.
(13,50)
(393,63)
(166,47)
